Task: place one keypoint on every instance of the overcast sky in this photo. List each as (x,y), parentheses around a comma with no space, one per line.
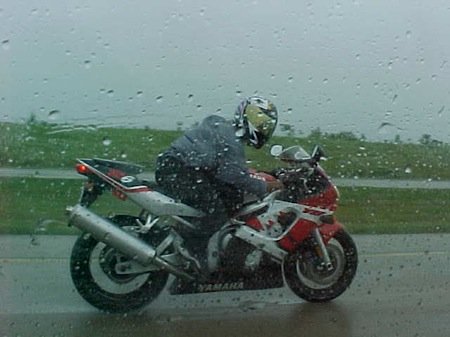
(379,68)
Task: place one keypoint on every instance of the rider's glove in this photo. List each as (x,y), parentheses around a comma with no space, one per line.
(274,185)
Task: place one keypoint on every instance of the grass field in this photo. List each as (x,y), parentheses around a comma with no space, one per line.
(30,206)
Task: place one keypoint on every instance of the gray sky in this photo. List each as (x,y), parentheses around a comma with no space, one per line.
(379,68)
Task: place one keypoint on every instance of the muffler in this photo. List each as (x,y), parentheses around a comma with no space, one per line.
(112,235)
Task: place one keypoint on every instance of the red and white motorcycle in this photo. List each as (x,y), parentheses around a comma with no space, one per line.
(291,237)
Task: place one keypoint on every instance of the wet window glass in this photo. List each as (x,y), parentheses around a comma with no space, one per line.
(227,167)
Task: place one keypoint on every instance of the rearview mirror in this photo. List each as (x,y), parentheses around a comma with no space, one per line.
(276,150)
(318,153)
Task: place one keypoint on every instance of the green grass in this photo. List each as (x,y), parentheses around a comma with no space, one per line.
(392,211)
(30,206)
(53,146)
(37,206)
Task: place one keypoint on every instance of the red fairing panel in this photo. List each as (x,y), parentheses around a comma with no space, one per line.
(329,230)
(328,199)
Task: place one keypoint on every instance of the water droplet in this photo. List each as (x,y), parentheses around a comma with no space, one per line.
(408,34)
(190,97)
(290,79)
(87,64)
(107,141)
(358,56)
(139,93)
(433,77)
(53,114)
(5,44)
(325,80)
(408,170)
(159,99)
(110,93)
(202,12)
(289,111)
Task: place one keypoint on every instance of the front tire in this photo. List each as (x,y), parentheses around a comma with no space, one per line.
(92,269)
(313,283)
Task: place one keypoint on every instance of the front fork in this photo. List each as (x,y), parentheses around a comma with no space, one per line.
(322,250)
(322,235)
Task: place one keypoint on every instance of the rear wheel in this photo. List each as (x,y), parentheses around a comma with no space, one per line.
(312,281)
(94,274)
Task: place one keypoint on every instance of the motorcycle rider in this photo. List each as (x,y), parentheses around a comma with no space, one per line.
(205,168)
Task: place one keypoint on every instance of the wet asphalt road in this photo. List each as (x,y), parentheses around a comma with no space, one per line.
(402,288)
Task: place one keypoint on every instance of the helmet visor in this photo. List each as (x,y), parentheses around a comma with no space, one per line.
(260,121)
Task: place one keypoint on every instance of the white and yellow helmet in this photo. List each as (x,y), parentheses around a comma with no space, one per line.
(256,119)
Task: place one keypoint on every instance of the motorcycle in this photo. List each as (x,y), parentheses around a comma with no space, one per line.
(121,263)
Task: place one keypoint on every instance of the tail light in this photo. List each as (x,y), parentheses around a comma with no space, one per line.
(82,169)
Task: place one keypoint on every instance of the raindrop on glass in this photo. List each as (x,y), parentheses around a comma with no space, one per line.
(139,93)
(52,115)
(110,93)
(107,141)
(5,44)
(408,34)
(190,97)
(159,99)
(87,64)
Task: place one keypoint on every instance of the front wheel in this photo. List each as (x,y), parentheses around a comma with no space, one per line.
(93,272)
(312,281)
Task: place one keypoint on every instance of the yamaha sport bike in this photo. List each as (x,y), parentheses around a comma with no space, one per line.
(290,238)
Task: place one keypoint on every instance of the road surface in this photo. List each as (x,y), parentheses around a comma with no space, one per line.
(402,288)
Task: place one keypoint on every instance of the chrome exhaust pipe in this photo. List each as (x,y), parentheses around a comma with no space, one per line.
(112,235)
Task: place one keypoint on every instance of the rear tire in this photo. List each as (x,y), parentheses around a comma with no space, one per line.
(314,284)
(93,274)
